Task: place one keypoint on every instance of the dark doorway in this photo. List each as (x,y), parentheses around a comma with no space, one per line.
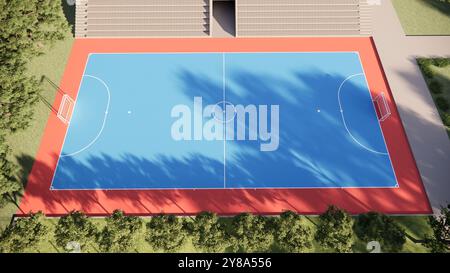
(223,20)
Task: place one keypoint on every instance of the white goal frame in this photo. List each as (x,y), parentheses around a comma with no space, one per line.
(382,106)
(65,109)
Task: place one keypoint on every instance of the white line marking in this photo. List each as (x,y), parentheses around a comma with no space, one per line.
(343,116)
(67,130)
(239,188)
(104,119)
(229,188)
(224,124)
(379,123)
(218,52)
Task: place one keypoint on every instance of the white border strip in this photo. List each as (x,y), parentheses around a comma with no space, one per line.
(234,188)
(343,116)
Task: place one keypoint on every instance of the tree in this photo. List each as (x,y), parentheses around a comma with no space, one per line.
(208,234)
(292,234)
(9,184)
(120,233)
(18,95)
(374,226)
(23,233)
(166,232)
(440,224)
(251,233)
(25,28)
(75,227)
(334,230)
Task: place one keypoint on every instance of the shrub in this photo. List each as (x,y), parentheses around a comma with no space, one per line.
(121,233)
(9,185)
(335,230)
(441,62)
(442,104)
(427,71)
(440,224)
(424,62)
(435,87)
(26,27)
(208,234)
(446,119)
(24,233)
(75,227)
(251,233)
(292,234)
(166,232)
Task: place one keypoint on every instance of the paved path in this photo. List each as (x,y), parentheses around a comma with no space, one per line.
(424,128)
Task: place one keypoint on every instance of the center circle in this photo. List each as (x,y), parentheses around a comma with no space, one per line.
(222,107)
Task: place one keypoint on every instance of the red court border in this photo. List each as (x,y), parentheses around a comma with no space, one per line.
(409,198)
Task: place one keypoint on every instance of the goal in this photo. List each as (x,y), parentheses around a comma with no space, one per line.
(65,109)
(382,106)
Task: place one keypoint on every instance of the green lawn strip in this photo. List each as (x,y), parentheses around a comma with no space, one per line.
(24,144)
(50,246)
(415,226)
(443,77)
(423,17)
(439,76)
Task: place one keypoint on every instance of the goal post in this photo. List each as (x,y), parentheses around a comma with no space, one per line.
(65,109)
(382,107)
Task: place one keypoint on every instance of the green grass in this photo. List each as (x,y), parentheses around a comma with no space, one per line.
(441,76)
(415,226)
(52,65)
(423,17)
(49,245)
(25,144)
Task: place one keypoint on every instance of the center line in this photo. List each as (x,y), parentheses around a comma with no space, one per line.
(224,123)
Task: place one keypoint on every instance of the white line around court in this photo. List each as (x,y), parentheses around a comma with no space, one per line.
(343,116)
(104,119)
(224,131)
(379,123)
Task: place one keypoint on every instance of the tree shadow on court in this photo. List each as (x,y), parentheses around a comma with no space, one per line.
(139,202)
(302,155)
(132,172)
(183,202)
(314,148)
(296,152)
(279,166)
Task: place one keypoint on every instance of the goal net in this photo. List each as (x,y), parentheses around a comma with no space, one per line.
(65,109)
(382,107)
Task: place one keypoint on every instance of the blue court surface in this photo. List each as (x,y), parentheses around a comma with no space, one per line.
(223,120)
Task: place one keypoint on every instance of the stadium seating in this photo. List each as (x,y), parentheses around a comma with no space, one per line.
(142,18)
(191,18)
(302,17)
